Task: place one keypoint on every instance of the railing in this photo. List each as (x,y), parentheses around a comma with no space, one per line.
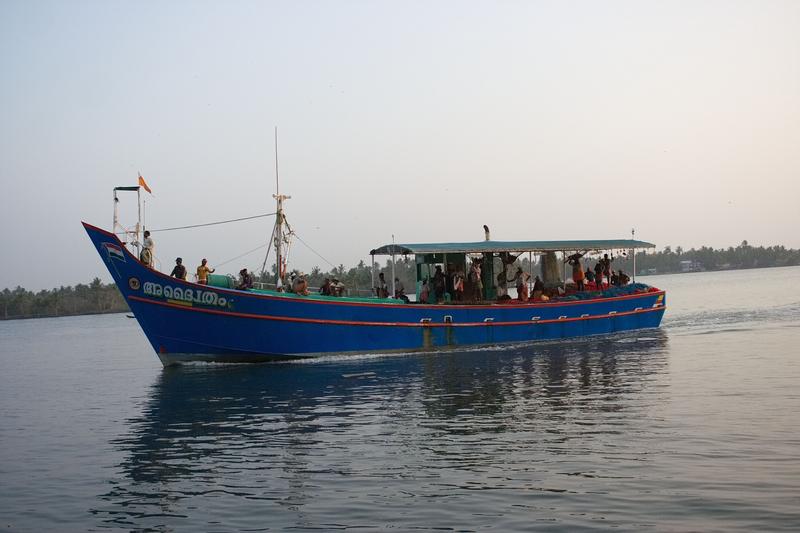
(360,293)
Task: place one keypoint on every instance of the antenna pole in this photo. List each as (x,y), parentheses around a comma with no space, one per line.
(277,182)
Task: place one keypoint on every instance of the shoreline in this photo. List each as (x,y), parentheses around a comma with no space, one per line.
(710,270)
(127,310)
(88,313)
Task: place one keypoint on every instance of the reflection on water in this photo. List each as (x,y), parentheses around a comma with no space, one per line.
(691,428)
(328,434)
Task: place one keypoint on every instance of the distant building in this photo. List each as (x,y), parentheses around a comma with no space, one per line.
(691,266)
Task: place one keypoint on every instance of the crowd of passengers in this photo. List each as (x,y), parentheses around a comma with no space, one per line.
(468,287)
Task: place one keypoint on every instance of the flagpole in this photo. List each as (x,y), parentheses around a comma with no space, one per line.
(139,222)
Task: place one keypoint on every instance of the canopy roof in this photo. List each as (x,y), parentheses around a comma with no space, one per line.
(509,246)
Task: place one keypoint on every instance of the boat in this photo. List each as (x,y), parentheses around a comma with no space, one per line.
(186,321)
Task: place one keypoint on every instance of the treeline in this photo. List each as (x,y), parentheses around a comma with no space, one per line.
(97,297)
(94,298)
(358,279)
(707,258)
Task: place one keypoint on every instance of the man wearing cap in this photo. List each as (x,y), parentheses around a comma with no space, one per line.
(179,271)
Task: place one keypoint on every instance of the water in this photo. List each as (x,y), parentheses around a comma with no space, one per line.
(690,427)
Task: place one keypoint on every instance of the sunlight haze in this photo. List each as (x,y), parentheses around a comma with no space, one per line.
(422,120)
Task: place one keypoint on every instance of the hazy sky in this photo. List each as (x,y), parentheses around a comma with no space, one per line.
(426,120)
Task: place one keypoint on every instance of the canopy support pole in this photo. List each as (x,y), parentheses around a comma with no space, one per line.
(633,275)
(530,270)
(394,288)
(373,271)
(445,274)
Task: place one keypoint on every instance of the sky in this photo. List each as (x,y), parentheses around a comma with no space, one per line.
(418,120)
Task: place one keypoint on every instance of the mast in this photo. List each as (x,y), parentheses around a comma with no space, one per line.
(372,270)
(279,219)
(279,237)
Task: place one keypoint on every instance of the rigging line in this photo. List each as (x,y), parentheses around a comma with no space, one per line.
(260,246)
(269,247)
(215,223)
(313,250)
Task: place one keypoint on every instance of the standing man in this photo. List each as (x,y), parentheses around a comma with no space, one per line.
(598,275)
(438,283)
(203,271)
(179,271)
(521,278)
(577,270)
(502,284)
(148,250)
(607,266)
(475,280)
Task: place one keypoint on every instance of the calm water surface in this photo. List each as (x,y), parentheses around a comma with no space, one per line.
(695,426)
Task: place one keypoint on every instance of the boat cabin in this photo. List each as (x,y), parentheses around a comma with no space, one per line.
(456,260)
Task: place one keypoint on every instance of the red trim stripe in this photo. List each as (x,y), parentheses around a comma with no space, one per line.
(392,324)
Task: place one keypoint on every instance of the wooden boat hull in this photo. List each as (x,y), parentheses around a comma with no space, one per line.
(185,321)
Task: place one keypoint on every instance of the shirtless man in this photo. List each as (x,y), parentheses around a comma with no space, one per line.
(203,271)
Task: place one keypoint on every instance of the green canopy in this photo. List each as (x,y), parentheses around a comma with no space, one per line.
(510,246)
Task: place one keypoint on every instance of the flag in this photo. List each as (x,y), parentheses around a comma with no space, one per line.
(143,183)
(113,251)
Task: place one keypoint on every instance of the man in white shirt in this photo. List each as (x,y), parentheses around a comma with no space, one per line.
(148,254)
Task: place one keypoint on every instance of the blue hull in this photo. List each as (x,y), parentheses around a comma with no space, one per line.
(185,321)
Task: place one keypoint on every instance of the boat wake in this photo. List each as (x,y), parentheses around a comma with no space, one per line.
(733,320)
